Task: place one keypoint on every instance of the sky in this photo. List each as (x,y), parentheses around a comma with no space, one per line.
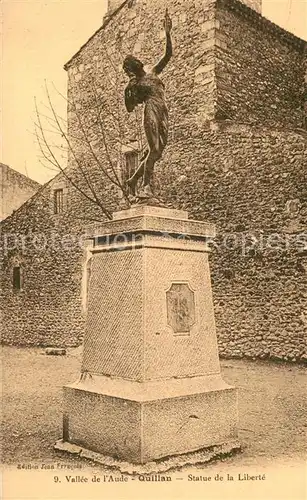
(38,37)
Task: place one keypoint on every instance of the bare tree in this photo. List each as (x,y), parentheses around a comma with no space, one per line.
(97,138)
(94,140)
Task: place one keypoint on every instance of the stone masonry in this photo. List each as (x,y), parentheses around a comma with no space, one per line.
(236,157)
(16,188)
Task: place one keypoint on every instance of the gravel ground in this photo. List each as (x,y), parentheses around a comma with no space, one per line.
(272,400)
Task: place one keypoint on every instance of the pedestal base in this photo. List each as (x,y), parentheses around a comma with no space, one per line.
(151,385)
(139,422)
(202,456)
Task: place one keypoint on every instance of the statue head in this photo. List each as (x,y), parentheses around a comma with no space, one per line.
(133,66)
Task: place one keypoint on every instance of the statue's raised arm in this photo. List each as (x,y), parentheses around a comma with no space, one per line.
(159,67)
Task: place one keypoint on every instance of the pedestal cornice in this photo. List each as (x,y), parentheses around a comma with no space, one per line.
(153,220)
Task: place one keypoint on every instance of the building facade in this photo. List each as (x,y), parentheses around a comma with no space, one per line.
(236,157)
(16,188)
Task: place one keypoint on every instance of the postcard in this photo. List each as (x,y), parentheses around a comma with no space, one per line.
(154,249)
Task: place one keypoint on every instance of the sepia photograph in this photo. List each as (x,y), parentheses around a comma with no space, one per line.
(153,249)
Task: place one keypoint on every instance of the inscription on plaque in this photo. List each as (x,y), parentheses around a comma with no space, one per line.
(180,308)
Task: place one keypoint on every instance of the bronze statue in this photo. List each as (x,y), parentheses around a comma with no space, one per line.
(147,88)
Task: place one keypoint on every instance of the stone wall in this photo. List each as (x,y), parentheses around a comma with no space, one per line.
(254,4)
(259,69)
(229,62)
(250,182)
(115,4)
(50,250)
(250,175)
(15,190)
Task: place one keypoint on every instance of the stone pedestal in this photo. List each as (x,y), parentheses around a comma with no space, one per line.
(150,385)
